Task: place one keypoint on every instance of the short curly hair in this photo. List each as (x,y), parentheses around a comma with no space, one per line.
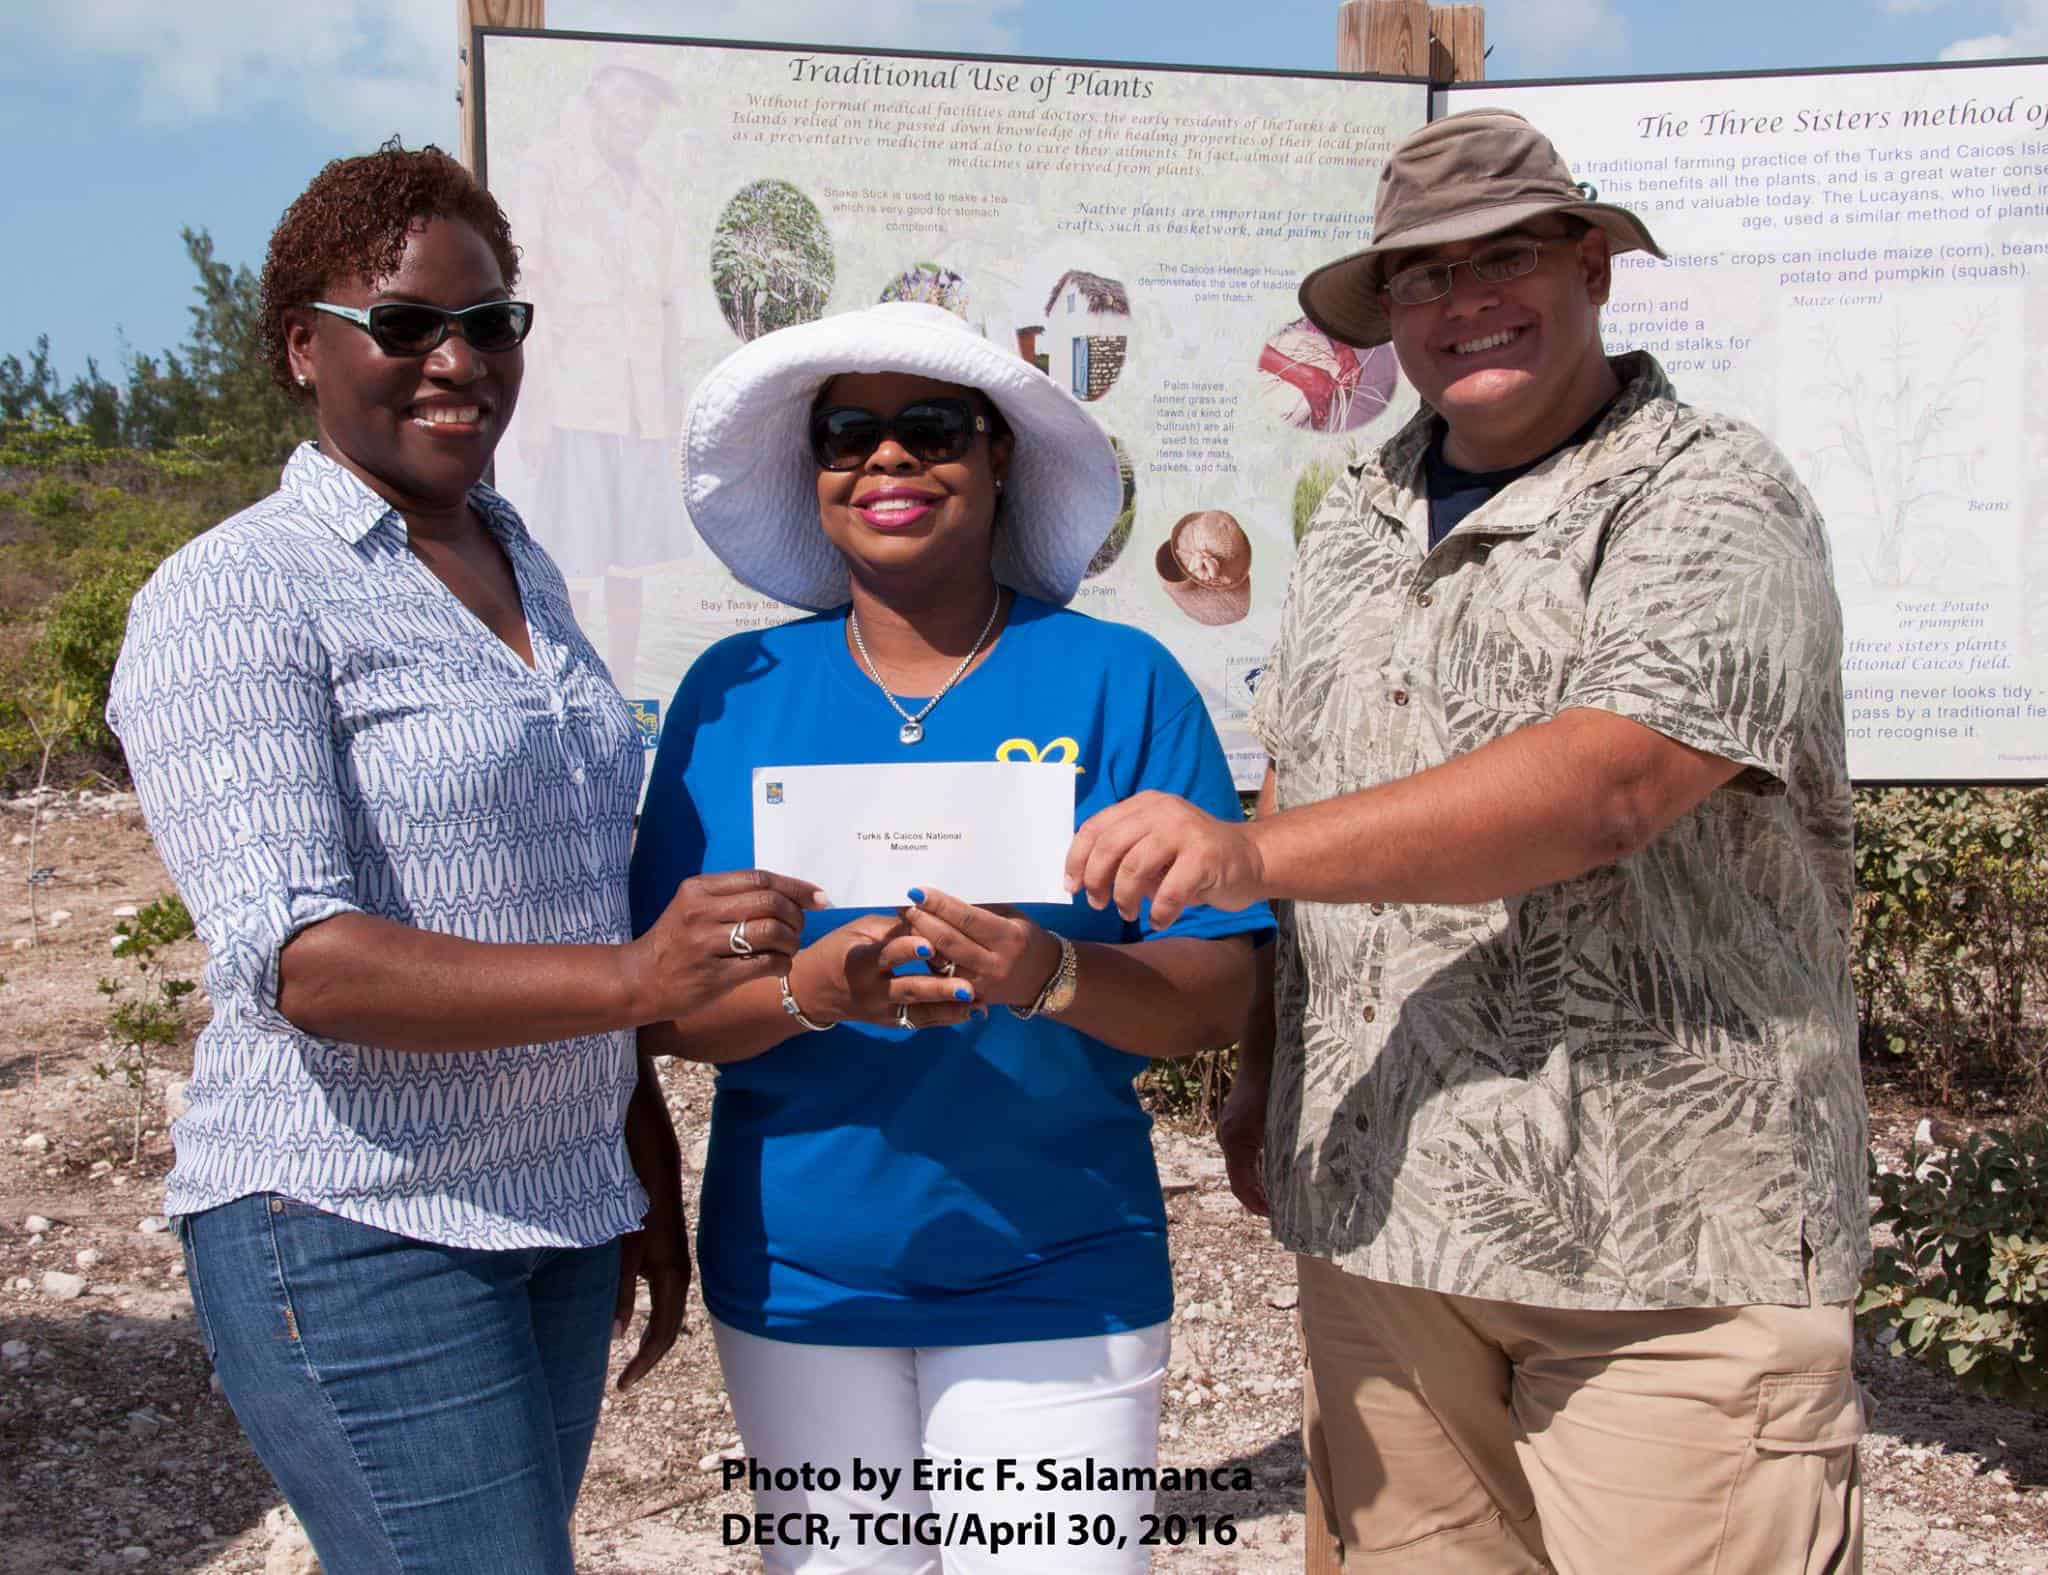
(352,222)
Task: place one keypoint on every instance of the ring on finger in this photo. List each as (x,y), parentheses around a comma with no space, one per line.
(903,1017)
(737,942)
(946,967)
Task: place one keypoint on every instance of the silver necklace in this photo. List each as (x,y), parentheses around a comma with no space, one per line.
(912,730)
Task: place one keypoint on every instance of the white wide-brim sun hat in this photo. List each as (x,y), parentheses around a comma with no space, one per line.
(751,485)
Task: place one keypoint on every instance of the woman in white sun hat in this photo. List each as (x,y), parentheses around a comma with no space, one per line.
(931,1225)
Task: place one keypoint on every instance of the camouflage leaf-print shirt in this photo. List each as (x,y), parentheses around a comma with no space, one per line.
(1637,1088)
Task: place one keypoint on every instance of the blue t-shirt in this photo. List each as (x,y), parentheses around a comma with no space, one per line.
(957,1186)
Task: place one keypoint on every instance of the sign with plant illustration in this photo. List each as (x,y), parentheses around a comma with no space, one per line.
(1859,265)
(771,259)
(1137,233)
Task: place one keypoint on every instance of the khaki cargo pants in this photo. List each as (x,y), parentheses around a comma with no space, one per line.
(1453,1435)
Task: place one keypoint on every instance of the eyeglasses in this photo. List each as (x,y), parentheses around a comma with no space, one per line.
(931,431)
(1496,265)
(412,328)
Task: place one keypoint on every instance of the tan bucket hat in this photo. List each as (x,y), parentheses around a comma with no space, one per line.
(1467,176)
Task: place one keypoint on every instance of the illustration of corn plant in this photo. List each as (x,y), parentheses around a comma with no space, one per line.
(1903,434)
(932,283)
(1310,488)
(771,259)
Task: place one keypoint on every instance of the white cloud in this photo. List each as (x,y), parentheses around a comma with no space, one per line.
(1913,7)
(1538,36)
(2026,34)
(368,68)
(1992,46)
(365,68)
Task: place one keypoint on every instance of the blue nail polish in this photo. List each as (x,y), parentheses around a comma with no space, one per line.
(916,894)
(924,951)
(963,994)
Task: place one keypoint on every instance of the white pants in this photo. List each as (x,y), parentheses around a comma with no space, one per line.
(922,1460)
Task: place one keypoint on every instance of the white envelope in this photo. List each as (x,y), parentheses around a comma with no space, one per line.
(982,831)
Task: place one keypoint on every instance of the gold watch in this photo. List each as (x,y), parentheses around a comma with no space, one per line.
(1058,993)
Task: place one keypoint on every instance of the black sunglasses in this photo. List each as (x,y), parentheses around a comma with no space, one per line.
(410,328)
(931,431)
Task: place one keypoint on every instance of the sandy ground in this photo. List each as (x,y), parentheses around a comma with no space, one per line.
(117,1454)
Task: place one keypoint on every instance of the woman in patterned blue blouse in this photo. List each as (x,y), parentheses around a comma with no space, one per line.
(395,786)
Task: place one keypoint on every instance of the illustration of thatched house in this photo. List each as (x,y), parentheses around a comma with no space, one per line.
(1087,330)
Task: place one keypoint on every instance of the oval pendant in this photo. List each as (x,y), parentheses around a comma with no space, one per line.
(910,733)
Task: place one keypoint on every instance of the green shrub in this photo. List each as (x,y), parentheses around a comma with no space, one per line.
(1189,1087)
(82,634)
(153,1017)
(1951,944)
(81,528)
(48,445)
(1964,1285)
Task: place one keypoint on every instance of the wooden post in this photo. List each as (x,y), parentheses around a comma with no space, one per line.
(1446,43)
(1390,37)
(471,14)
(1457,43)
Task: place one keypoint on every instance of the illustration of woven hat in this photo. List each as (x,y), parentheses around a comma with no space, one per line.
(751,485)
(1462,178)
(1205,565)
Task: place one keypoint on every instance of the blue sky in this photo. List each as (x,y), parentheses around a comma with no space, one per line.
(127,119)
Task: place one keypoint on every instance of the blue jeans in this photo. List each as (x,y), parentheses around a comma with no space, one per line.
(426,1410)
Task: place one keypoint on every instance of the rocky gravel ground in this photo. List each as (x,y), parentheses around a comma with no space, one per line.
(117,1454)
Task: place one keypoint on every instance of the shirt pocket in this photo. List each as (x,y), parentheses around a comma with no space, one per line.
(1507,665)
(1366,714)
(439,743)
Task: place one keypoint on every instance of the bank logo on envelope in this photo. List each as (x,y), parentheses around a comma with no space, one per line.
(775,792)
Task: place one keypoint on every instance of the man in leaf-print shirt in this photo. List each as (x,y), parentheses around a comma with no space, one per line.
(1557,1100)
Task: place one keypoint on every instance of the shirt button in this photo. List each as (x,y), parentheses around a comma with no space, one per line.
(1379,907)
(1370,1013)
(1400,697)
(1424,599)
(576,776)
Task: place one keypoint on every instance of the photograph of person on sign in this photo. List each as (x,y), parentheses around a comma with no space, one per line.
(596,436)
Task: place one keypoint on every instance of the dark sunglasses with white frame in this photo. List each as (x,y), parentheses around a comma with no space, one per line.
(413,328)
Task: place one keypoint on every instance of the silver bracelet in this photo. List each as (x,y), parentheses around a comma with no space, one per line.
(789,1005)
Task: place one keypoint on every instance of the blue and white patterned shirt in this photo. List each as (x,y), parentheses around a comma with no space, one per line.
(316,725)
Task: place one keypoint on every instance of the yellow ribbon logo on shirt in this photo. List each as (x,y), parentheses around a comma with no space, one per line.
(1060,752)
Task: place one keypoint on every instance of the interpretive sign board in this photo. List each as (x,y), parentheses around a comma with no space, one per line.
(1859,265)
(1138,231)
